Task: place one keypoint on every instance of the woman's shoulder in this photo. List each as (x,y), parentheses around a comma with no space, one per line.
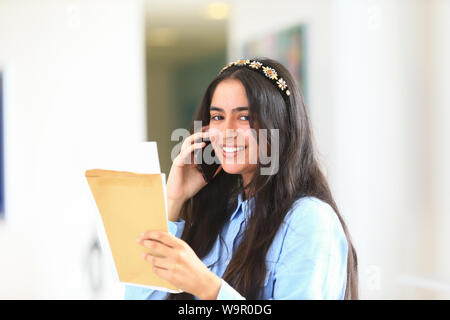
(311,214)
(311,228)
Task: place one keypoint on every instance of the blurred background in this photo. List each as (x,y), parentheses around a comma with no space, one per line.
(77,73)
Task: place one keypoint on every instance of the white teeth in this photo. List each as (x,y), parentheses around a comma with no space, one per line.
(228,149)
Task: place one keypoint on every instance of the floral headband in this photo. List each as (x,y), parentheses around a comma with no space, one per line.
(269,72)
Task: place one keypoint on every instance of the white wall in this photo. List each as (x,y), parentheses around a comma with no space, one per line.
(441,134)
(75,77)
(378,169)
(381,125)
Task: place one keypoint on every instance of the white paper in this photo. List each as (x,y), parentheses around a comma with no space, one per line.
(138,157)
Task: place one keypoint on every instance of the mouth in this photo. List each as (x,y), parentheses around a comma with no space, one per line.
(230,152)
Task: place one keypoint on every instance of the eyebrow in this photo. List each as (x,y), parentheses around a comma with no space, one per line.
(234,110)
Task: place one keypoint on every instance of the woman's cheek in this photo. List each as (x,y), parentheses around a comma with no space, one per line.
(252,148)
(215,137)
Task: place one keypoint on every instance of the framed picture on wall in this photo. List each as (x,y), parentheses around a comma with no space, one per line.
(287,46)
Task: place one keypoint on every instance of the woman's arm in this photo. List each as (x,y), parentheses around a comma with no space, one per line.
(227,292)
(312,262)
(173,209)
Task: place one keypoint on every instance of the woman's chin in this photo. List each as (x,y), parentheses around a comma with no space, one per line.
(233,168)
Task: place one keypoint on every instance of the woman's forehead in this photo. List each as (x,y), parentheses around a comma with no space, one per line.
(229,93)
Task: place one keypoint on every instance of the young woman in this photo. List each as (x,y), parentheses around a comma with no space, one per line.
(248,235)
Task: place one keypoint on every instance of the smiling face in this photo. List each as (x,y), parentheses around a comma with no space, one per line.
(233,141)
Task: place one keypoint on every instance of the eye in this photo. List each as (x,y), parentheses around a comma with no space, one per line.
(244,117)
(214,117)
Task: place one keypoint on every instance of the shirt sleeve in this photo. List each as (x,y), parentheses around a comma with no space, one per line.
(176,228)
(139,293)
(313,258)
(226,292)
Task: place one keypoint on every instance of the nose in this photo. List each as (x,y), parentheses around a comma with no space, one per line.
(229,136)
(228,130)
(230,124)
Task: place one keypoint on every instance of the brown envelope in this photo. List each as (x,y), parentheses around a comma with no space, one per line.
(129,204)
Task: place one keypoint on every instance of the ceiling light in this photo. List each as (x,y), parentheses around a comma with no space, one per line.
(217,11)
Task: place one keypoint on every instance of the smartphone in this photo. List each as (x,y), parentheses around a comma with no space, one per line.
(207,170)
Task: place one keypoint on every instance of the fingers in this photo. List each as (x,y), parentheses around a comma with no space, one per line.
(162,247)
(156,248)
(187,151)
(157,262)
(163,273)
(165,238)
(196,136)
(189,145)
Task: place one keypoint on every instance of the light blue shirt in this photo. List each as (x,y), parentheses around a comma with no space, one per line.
(307,258)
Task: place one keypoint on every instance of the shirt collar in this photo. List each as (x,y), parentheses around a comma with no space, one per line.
(241,203)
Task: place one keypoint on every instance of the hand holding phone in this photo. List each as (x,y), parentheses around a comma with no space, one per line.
(185,179)
(208,170)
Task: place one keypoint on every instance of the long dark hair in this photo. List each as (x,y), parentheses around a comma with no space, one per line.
(298,176)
